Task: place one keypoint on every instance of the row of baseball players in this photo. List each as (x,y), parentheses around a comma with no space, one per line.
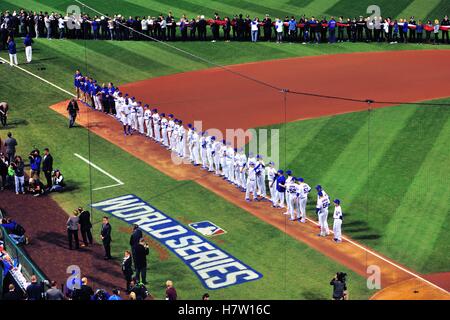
(248,174)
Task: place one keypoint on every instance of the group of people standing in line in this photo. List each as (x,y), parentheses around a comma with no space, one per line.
(239,27)
(249,174)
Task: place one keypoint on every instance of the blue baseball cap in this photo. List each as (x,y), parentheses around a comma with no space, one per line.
(272,163)
(289,172)
(155,110)
(337,201)
(213,138)
(318,187)
(163,114)
(300,179)
(170,115)
(259,156)
(280,171)
(189,125)
(146,105)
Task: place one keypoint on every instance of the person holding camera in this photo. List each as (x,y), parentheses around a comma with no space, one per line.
(35,164)
(141,252)
(339,286)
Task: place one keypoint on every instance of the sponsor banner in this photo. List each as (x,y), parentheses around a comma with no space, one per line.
(207,228)
(214,267)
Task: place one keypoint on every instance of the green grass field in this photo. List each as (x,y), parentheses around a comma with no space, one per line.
(399,207)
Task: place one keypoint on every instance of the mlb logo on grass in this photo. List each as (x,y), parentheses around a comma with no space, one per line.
(207,228)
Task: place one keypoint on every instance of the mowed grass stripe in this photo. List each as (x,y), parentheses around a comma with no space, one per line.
(391,178)
(421,214)
(350,8)
(420,9)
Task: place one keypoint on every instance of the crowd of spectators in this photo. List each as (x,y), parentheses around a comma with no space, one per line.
(302,29)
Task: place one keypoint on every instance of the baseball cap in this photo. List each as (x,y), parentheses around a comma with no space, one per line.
(280,171)
(318,187)
(337,201)
(289,172)
(300,179)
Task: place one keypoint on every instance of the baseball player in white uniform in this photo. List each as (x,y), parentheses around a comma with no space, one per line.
(251,183)
(271,176)
(134,120)
(229,153)
(156,125)
(323,202)
(140,117)
(289,180)
(293,192)
(119,101)
(175,132)
(190,132)
(337,224)
(164,125)
(203,154)
(209,153)
(126,117)
(216,149)
(195,146)
(148,120)
(170,128)
(242,165)
(260,176)
(223,157)
(303,198)
(181,145)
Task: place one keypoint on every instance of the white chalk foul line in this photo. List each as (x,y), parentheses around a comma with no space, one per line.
(380,257)
(119,183)
(40,78)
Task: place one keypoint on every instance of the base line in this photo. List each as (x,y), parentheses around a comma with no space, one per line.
(119,183)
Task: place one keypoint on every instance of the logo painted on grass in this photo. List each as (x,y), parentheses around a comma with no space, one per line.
(207,228)
(214,267)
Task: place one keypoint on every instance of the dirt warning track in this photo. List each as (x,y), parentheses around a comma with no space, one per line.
(222,100)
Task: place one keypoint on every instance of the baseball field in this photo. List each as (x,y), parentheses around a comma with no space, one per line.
(388,161)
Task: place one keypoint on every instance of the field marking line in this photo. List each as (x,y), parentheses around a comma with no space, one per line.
(380,257)
(119,183)
(40,78)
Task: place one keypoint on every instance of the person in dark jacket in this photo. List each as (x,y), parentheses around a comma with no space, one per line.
(34,290)
(127,269)
(47,167)
(106,237)
(12,52)
(10,146)
(12,294)
(72,109)
(171,293)
(85,226)
(84,293)
(339,287)
(19,174)
(135,237)
(141,252)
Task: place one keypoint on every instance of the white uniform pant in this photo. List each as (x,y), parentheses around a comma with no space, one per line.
(279,199)
(302,207)
(272,189)
(181,149)
(195,154)
(97,103)
(243,177)
(261,183)
(157,133)
(230,170)
(133,121)
(323,222)
(13,59)
(164,137)
(148,124)
(29,53)
(251,188)
(292,199)
(203,156)
(191,154)
(223,165)
(217,164)
(210,160)
(237,176)
(337,229)
(141,124)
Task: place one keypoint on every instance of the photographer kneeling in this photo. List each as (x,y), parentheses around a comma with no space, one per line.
(339,286)
(57,181)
